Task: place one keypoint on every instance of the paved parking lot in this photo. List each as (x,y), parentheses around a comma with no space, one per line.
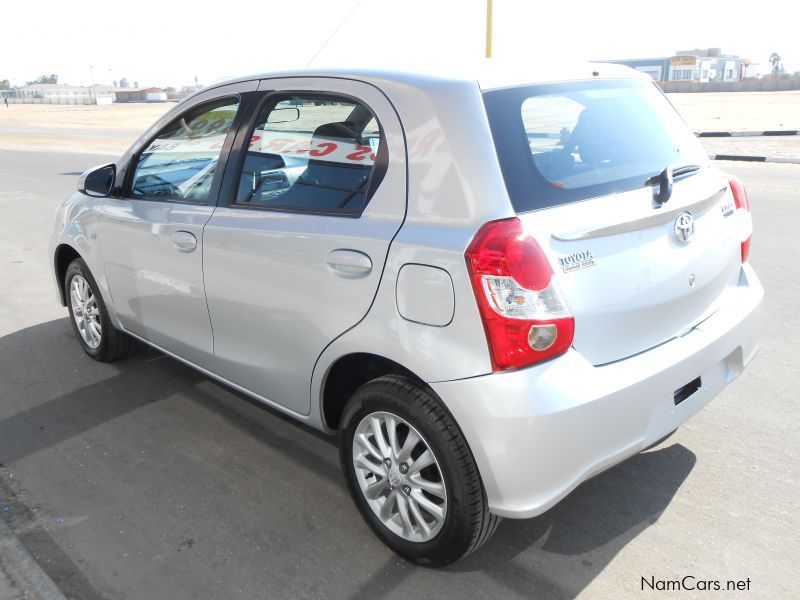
(144,479)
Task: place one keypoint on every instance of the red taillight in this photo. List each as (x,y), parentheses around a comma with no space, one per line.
(739,193)
(742,203)
(525,317)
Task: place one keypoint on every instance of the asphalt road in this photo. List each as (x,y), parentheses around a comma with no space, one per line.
(145,480)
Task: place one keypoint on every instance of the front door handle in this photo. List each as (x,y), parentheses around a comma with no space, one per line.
(184,241)
(350,264)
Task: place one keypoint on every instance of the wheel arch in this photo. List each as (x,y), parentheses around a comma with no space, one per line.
(62,257)
(349,372)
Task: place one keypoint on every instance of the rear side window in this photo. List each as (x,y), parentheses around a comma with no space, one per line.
(561,143)
(312,153)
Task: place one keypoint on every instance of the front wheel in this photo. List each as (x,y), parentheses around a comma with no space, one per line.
(411,473)
(89,316)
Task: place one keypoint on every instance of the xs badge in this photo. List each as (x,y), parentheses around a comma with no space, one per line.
(578,260)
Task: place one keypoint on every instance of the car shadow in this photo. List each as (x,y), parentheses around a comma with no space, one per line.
(557,554)
(53,394)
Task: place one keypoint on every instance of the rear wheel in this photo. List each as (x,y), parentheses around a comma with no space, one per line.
(89,316)
(411,473)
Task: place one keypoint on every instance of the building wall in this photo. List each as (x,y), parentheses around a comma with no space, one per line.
(140,96)
(687,67)
(657,68)
(123,96)
(766,84)
(704,68)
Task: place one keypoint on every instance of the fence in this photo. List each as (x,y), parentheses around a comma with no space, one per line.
(766,84)
(61,100)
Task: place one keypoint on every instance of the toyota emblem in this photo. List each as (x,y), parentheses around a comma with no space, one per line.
(684,227)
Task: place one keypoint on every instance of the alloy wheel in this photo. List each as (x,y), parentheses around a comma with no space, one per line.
(85,311)
(399,476)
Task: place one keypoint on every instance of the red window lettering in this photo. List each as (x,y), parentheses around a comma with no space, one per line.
(298,148)
(218,124)
(360,153)
(426,143)
(326,148)
(275,145)
(197,126)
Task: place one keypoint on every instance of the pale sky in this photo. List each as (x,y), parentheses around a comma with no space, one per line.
(157,42)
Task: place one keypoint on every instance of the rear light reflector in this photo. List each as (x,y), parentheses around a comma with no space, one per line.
(742,203)
(524,314)
(746,249)
(542,337)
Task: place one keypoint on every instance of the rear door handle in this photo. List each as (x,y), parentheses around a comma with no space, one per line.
(350,264)
(184,241)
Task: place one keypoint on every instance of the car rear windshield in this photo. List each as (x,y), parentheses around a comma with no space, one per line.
(565,142)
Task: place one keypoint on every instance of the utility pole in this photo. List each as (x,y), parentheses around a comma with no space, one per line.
(91,72)
(488,28)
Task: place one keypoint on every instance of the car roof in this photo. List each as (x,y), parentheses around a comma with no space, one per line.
(488,77)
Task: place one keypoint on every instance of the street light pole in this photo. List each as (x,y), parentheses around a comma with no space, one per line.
(488,28)
(91,74)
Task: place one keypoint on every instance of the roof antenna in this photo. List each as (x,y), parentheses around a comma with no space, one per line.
(335,31)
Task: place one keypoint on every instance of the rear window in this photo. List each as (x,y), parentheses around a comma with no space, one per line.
(566,142)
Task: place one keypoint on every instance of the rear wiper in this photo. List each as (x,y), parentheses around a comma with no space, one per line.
(664,181)
(685,170)
(676,172)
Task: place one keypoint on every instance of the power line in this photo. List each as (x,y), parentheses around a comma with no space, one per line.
(335,31)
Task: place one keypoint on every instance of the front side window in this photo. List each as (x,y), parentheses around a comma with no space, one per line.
(181,162)
(313,153)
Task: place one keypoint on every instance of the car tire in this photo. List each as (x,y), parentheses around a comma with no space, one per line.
(89,316)
(397,402)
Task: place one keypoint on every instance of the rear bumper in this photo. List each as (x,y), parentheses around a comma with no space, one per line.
(539,432)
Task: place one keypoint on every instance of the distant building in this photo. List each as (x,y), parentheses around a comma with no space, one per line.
(60,93)
(690,65)
(151,94)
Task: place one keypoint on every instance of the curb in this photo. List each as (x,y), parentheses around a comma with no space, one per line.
(771,133)
(763,159)
(24,570)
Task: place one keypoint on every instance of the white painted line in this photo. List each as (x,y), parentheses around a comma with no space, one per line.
(783,159)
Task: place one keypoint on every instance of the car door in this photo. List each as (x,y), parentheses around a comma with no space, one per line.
(294,253)
(151,237)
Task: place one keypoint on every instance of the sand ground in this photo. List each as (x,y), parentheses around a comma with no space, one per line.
(739,111)
(111,129)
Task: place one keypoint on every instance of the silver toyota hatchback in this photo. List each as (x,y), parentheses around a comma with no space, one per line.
(492,288)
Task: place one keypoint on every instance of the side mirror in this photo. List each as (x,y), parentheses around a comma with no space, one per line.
(283,115)
(98,182)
